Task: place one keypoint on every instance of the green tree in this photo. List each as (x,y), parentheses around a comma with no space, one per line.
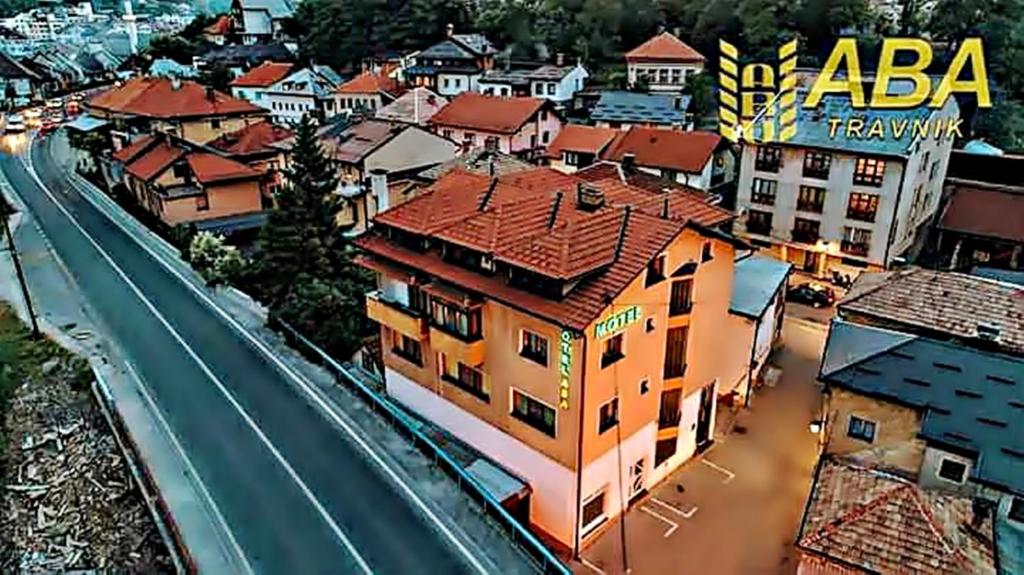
(217,262)
(217,76)
(194,30)
(327,313)
(172,47)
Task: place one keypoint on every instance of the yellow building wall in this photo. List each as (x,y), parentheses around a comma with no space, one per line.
(895,445)
(201,131)
(226,200)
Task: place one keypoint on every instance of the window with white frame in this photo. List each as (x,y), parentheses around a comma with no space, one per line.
(593,512)
(952,470)
(861,429)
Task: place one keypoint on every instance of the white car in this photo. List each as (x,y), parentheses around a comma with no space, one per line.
(15,125)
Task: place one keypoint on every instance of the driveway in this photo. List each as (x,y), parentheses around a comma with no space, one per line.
(736,508)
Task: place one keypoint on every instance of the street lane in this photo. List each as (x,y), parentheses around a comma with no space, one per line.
(279,528)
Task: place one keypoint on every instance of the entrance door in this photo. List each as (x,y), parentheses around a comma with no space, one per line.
(811,261)
(636,479)
(707,406)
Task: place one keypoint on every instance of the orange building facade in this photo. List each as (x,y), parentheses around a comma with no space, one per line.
(568,329)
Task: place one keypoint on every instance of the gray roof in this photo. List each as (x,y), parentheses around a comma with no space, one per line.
(1005,276)
(276,8)
(446,49)
(971,400)
(549,72)
(639,108)
(755,282)
(478,43)
(513,77)
(414,107)
(480,162)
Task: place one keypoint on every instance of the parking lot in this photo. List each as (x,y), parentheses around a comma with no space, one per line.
(737,507)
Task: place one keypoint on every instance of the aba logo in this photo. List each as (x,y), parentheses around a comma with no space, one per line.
(757,103)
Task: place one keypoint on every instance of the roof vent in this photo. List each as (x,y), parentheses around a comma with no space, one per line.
(589,197)
(988,332)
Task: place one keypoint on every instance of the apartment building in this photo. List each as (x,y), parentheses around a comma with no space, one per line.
(571,330)
(832,199)
(662,64)
(252,86)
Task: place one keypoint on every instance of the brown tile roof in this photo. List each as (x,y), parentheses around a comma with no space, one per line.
(370,83)
(263,76)
(129,152)
(984,210)
(474,111)
(579,138)
(664,47)
(210,168)
(530,220)
(154,161)
(886,524)
(252,139)
(220,26)
(157,98)
(949,303)
(685,151)
(645,181)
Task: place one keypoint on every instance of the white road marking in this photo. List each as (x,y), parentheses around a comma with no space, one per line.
(674,509)
(591,566)
(342,537)
(144,391)
(729,475)
(672,524)
(313,394)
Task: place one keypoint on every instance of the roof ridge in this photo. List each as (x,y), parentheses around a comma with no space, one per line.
(856,513)
(932,523)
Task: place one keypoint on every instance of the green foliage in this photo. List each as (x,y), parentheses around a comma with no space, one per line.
(327,312)
(194,30)
(92,143)
(12,7)
(701,88)
(173,47)
(217,262)
(217,76)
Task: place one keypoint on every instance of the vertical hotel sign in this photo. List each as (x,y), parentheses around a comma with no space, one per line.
(564,367)
(760,91)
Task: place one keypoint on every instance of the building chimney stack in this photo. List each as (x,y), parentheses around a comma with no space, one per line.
(589,197)
(175,83)
(450,30)
(560,59)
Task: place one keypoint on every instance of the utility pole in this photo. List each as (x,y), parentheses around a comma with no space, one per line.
(17,268)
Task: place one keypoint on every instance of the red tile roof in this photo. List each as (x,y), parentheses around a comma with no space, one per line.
(158,98)
(370,83)
(252,139)
(219,27)
(154,161)
(664,48)
(129,152)
(209,168)
(579,138)
(263,76)
(989,211)
(670,149)
(885,524)
(530,220)
(474,111)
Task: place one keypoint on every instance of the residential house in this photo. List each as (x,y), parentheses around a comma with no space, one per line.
(181,183)
(257,21)
(839,202)
(454,65)
(663,63)
(254,84)
(981,224)
(621,110)
(504,83)
(18,83)
(520,126)
(568,330)
(306,91)
(241,57)
(367,92)
(394,153)
(557,83)
(480,161)
(181,108)
(254,146)
(416,106)
(218,32)
(578,146)
(701,160)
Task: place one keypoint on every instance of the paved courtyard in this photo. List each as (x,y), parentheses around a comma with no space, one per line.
(737,508)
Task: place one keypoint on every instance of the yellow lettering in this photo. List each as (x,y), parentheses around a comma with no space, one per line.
(920,128)
(888,70)
(854,125)
(833,126)
(937,128)
(877,129)
(827,82)
(953,128)
(898,127)
(970,49)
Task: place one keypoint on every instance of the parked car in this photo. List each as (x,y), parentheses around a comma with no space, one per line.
(14,125)
(813,294)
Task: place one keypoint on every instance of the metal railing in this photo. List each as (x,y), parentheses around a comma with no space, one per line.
(521,537)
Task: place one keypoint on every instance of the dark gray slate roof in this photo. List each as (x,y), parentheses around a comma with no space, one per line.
(639,108)
(972,400)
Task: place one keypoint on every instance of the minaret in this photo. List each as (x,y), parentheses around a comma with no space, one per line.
(133,30)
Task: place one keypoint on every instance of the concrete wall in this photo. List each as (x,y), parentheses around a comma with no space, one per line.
(896,444)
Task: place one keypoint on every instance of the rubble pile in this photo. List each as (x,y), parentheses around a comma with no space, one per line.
(69,501)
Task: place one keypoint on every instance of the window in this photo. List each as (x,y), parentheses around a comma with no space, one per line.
(806,231)
(612,350)
(649,325)
(533,413)
(1016,512)
(180,171)
(705,252)
(763,191)
(215,124)
(538,89)
(645,386)
(545,137)
(924,163)
(669,412)
(447,134)
(446,82)
(817,164)
(593,512)
(856,241)
(407,348)
(863,207)
(769,159)
(933,170)
(681,301)
(543,115)
(861,429)
(470,138)
(462,376)
(455,320)
(675,352)
(551,89)
(608,416)
(202,203)
(952,470)
(759,222)
(664,449)
(677,76)
(662,76)
(811,199)
(869,172)
(570,158)
(655,271)
(534,347)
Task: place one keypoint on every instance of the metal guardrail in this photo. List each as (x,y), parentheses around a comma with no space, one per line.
(521,537)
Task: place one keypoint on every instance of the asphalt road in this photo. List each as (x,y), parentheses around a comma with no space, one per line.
(333,511)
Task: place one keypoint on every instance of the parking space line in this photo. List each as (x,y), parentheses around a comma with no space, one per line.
(672,524)
(729,475)
(674,509)
(591,566)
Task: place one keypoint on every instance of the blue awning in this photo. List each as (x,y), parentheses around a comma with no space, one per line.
(86,123)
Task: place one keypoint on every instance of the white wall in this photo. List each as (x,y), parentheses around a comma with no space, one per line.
(601,473)
(456,83)
(634,70)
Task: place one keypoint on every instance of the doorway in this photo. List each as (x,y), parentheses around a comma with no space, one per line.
(704,414)
(811,259)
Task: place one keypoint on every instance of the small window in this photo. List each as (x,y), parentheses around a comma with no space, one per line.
(464,377)
(593,512)
(811,199)
(551,89)
(645,386)
(869,172)
(769,159)
(681,301)
(608,416)
(612,350)
(1016,512)
(215,124)
(543,115)
(861,429)
(202,203)
(675,352)
(655,271)
(649,325)
(534,347)
(533,413)
(705,253)
(763,191)
(759,222)
(953,470)
(545,137)
(664,449)
(447,134)
(407,348)
(817,164)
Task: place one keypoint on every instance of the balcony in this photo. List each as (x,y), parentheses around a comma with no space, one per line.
(854,248)
(470,350)
(805,236)
(395,316)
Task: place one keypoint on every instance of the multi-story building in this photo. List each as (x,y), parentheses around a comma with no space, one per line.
(305,91)
(367,92)
(558,83)
(253,85)
(517,125)
(454,65)
(257,21)
(830,199)
(662,64)
(572,331)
